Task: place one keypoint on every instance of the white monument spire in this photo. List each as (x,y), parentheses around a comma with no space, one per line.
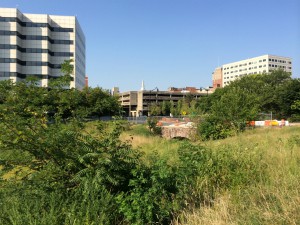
(143,86)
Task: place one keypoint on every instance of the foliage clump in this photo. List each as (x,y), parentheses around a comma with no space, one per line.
(228,110)
(73,177)
(153,127)
(70,176)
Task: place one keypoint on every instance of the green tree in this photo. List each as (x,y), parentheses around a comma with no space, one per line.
(173,110)
(295,117)
(58,151)
(229,108)
(155,110)
(286,95)
(296,105)
(179,107)
(99,102)
(267,87)
(166,108)
(236,107)
(67,69)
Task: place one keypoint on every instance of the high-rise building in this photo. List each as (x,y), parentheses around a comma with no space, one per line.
(37,45)
(222,76)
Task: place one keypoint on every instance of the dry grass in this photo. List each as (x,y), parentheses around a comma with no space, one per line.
(218,214)
(153,144)
(275,200)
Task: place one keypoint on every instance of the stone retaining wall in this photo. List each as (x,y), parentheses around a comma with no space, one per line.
(175,132)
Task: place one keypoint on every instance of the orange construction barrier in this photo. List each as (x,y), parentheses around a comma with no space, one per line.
(267,122)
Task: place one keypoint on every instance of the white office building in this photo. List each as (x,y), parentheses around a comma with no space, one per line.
(258,65)
(37,44)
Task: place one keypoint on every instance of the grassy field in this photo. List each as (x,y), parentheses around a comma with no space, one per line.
(257,174)
(275,199)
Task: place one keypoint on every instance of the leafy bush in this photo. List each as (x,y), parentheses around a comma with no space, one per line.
(77,178)
(82,173)
(160,191)
(208,170)
(152,125)
(150,198)
(214,129)
(104,181)
(294,118)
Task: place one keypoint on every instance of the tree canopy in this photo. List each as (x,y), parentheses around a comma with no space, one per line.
(246,98)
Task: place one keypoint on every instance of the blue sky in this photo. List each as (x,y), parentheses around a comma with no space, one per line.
(174,43)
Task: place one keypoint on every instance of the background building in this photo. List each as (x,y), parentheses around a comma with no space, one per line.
(37,44)
(222,76)
(138,103)
(217,78)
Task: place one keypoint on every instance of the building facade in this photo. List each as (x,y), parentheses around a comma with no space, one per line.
(138,103)
(258,65)
(37,45)
(217,78)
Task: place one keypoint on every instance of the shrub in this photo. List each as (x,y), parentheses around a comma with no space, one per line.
(151,196)
(152,125)
(214,129)
(294,118)
(159,191)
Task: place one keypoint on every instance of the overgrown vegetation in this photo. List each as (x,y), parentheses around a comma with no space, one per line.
(274,198)
(152,126)
(226,112)
(228,109)
(75,175)
(58,169)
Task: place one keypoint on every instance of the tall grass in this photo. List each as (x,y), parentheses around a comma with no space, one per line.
(26,206)
(274,199)
(252,178)
(141,138)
